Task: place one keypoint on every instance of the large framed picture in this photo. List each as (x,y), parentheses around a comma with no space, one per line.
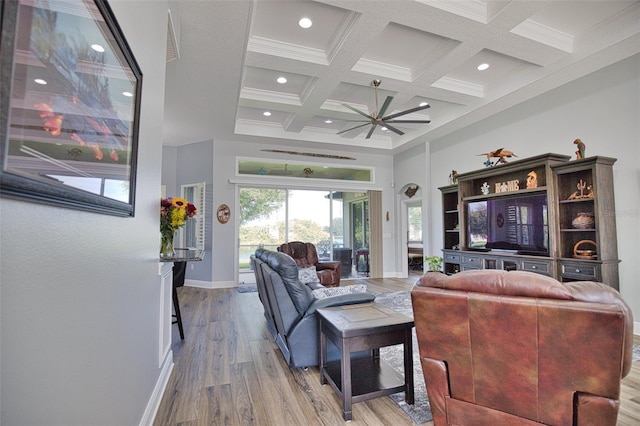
(70,92)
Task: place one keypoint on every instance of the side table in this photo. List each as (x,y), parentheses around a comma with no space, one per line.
(361,327)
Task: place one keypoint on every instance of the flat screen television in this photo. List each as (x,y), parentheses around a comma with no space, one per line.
(516,224)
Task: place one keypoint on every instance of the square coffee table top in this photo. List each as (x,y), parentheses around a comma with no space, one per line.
(363,319)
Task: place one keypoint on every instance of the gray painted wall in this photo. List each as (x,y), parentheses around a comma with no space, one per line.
(80,292)
(223,162)
(602,109)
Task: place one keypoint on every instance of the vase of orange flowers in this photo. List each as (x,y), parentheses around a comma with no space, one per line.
(174,213)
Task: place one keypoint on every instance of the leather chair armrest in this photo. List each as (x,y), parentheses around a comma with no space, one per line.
(592,410)
(344,299)
(437,382)
(321,266)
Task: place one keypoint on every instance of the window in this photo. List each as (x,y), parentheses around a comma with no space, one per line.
(193,233)
(415,224)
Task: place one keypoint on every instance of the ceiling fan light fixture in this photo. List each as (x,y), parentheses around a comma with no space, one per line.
(378,117)
(423,104)
(305,23)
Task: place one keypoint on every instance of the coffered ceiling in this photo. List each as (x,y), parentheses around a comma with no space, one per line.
(232,52)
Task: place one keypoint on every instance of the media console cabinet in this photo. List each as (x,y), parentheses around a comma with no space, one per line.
(550,214)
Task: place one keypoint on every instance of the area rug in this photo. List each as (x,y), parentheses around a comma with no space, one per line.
(420,412)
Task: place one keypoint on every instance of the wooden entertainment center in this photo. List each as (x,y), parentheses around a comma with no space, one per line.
(546,214)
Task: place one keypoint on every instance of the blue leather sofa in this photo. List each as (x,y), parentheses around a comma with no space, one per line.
(290,307)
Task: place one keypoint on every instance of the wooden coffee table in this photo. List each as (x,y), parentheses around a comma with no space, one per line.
(361,327)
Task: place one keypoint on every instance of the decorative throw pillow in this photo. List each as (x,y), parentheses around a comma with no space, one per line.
(308,274)
(323,293)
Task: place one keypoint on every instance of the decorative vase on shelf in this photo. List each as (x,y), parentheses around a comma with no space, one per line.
(583,221)
(166,245)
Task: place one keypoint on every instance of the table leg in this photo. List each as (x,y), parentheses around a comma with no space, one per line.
(323,355)
(176,308)
(345,372)
(408,366)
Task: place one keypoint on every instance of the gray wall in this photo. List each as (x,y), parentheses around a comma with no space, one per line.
(187,165)
(602,109)
(222,164)
(80,291)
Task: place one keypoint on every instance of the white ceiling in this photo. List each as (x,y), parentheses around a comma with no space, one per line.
(232,51)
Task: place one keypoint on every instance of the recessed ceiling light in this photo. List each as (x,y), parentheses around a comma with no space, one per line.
(305,23)
(40,81)
(423,104)
(483,67)
(281,80)
(97,48)
(127,94)
(328,121)
(266,114)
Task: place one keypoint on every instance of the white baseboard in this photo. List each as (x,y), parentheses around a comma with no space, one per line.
(158,391)
(210,284)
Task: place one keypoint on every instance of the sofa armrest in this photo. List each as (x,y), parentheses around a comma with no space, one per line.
(345,299)
(321,266)
(313,285)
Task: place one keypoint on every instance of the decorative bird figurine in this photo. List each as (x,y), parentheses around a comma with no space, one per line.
(500,154)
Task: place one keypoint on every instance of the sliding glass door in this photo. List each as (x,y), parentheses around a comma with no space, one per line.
(328,219)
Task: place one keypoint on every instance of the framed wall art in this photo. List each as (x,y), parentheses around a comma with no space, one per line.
(70,92)
(223,213)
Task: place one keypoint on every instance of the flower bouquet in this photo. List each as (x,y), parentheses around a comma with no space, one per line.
(174,213)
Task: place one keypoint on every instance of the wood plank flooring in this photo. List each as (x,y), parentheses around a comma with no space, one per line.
(228,371)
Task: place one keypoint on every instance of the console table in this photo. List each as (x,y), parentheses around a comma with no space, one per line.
(361,327)
(182,256)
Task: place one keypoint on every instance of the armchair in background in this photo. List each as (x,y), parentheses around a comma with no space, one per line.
(305,254)
(519,348)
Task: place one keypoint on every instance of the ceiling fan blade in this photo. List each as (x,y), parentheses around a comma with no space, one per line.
(407,121)
(393,129)
(373,127)
(358,111)
(409,111)
(385,105)
(353,128)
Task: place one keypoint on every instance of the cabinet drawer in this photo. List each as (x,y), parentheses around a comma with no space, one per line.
(580,271)
(451,258)
(472,260)
(470,267)
(539,267)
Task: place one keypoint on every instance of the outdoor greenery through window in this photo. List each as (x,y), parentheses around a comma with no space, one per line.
(415,223)
(270,217)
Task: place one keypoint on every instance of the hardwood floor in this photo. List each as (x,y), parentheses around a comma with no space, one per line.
(228,371)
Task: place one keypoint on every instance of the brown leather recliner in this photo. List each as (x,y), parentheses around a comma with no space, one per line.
(518,348)
(305,254)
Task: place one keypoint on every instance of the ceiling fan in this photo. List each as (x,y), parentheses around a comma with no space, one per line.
(378,117)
